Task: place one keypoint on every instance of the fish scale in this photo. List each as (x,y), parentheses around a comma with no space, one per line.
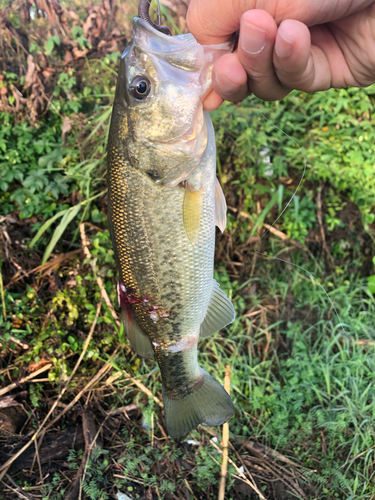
(162,206)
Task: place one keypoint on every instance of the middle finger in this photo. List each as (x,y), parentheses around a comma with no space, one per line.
(255,52)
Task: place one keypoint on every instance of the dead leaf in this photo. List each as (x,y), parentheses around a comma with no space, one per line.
(33,367)
(79,53)
(68,58)
(30,71)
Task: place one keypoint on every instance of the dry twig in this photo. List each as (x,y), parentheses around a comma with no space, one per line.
(99,280)
(224,465)
(90,435)
(144,389)
(13,385)
(241,475)
(18,490)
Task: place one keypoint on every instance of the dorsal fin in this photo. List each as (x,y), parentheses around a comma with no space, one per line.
(192,211)
(220,207)
(220,312)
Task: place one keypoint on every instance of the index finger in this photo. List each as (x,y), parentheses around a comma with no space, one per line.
(214,21)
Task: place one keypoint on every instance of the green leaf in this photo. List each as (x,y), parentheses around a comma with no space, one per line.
(371,283)
(57,40)
(50,44)
(67,218)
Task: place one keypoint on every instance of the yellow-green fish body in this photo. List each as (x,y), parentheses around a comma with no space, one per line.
(164,201)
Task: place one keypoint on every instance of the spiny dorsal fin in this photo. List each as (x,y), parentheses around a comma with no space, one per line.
(192,211)
(220,312)
(220,207)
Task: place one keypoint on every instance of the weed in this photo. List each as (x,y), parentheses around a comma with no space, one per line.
(35,394)
(299,221)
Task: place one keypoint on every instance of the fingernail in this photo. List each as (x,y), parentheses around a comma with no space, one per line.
(252,39)
(224,84)
(283,46)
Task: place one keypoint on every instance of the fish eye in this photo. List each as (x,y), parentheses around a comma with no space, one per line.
(140,87)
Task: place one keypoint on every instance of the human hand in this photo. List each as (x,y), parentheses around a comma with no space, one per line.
(303,45)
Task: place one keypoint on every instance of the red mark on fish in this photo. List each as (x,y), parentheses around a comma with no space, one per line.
(126,297)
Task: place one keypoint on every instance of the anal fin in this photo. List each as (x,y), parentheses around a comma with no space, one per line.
(220,312)
(192,211)
(139,341)
(220,207)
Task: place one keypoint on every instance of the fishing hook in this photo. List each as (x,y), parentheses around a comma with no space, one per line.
(143,13)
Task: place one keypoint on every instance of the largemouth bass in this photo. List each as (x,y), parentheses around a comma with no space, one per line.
(164,202)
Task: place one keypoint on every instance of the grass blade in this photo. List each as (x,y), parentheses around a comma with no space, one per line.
(99,121)
(267,209)
(46,225)
(68,217)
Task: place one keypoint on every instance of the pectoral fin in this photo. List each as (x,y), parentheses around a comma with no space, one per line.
(220,312)
(220,207)
(192,211)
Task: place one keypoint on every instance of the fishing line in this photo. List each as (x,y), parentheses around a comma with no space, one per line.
(303,173)
(157,10)
(154,9)
(311,276)
(159,16)
(314,279)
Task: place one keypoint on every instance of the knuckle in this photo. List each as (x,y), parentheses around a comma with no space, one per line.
(297,77)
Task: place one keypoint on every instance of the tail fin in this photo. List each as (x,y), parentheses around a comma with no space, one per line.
(207,404)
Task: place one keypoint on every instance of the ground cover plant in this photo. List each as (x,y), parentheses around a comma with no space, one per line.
(301,350)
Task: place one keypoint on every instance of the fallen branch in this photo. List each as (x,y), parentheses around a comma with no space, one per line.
(55,447)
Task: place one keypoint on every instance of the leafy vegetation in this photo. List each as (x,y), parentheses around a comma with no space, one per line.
(301,349)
